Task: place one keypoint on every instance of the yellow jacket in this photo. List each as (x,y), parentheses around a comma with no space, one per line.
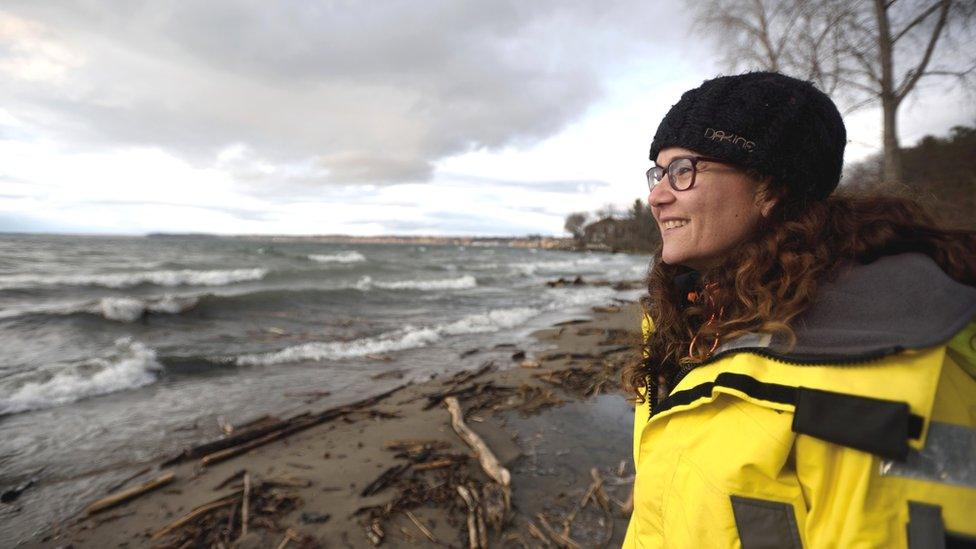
(756,450)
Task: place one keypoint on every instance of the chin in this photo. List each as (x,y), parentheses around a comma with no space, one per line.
(673,259)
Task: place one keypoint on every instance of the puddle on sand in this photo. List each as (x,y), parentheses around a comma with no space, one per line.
(559,447)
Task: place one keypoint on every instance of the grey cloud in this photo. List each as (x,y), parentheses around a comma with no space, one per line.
(374,91)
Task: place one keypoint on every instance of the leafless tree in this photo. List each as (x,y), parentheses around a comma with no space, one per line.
(862,52)
(608,211)
(575,223)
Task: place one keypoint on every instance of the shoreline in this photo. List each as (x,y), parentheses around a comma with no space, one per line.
(532,419)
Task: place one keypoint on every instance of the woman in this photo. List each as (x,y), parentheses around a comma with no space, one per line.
(809,358)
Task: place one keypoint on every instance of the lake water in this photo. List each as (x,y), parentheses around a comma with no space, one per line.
(117,350)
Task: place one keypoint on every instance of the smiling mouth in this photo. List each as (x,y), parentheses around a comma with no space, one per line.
(675,223)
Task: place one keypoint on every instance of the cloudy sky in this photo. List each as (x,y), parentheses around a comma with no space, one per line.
(370,117)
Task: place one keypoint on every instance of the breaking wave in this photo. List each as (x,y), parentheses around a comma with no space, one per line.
(341,257)
(122,309)
(407,338)
(184,277)
(569,265)
(462,283)
(128,365)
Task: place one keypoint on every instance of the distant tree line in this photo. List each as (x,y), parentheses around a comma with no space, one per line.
(939,172)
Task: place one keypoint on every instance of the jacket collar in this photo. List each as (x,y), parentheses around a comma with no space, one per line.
(872,310)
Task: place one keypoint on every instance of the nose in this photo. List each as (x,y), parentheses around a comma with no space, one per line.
(661,194)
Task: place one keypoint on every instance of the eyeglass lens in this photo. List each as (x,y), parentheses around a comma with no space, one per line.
(680,172)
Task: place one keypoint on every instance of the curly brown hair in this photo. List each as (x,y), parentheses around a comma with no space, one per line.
(769,280)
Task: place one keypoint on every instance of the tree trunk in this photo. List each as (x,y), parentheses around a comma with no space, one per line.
(892,151)
(889,96)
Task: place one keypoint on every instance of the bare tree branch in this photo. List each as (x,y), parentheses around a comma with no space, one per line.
(916,73)
(921,17)
(848,48)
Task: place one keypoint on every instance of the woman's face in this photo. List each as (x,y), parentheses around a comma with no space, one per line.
(701,225)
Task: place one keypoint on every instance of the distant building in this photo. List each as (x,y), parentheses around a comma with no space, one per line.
(605,234)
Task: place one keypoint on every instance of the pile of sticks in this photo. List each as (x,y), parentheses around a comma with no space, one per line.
(266,431)
(226,520)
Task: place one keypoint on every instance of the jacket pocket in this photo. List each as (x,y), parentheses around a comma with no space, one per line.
(764,524)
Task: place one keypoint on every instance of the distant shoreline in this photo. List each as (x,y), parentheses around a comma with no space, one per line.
(544,242)
(566,244)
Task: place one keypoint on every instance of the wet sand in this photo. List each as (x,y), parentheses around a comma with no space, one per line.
(306,489)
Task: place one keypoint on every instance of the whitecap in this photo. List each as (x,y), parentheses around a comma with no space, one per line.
(184,277)
(463,283)
(130,309)
(130,364)
(123,308)
(341,257)
(564,298)
(409,337)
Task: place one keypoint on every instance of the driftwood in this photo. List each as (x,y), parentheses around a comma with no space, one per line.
(627,507)
(244,504)
(476,388)
(201,510)
(281,427)
(559,539)
(280,430)
(127,479)
(125,495)
(290,535)
(435,464)
(420,526)
(537,534)
(236,439)
(384,480)
(237,475)
(464,377)
(287,482)
(474,535)
(226,521)
(254,422)
(374,533)
(488,461)
(415,444)
(234,451)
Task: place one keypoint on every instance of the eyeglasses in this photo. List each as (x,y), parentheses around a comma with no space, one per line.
(681,172)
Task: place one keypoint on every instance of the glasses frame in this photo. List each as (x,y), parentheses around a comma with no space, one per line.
(652,180)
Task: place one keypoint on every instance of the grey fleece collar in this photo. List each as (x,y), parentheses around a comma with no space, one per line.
(896,303)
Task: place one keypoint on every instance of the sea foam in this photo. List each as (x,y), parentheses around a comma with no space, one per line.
(567,265)
(122,309)
(409,337)
(462,283)
(341,257)
(130,364)
(184,277)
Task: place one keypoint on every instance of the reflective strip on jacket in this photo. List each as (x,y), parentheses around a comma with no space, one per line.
(750,450)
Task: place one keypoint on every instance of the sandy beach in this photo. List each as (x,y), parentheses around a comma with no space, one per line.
(387,470)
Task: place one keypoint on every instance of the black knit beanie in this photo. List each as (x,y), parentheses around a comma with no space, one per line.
(777,125)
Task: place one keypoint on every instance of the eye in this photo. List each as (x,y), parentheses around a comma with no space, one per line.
(682,170)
